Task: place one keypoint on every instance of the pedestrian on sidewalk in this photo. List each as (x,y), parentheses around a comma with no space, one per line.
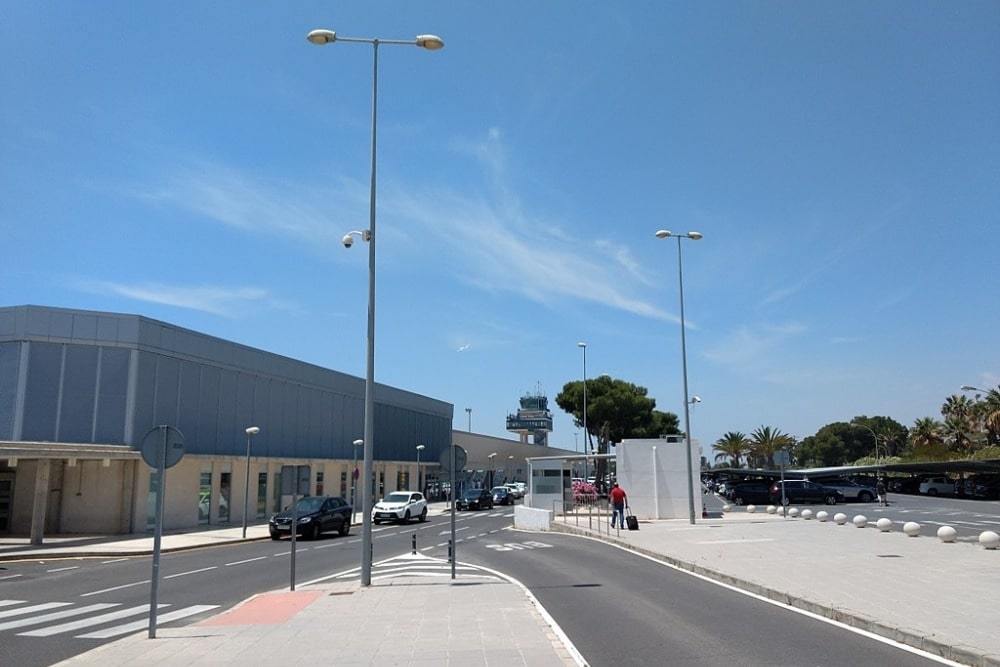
(880,491)
(618,498)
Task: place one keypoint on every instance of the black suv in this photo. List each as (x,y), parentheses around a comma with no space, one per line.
(315,514)
(804,491)
(749,493)
(475,499)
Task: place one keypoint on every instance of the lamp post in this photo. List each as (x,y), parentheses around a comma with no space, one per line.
(586,436)
(510,467)
(969,387)
(491,457)
(694,236)
(875,438)
(420,486)
(251,431)
(431,43)
(468,411)
(354,480)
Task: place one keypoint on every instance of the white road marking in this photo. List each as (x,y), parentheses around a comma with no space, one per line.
(56,615)
(115,588)
(140,625)
(184,574)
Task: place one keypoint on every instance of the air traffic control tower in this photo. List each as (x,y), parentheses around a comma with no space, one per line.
(532,419)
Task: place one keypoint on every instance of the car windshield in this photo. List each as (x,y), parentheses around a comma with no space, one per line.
(309,504)
(472,493)
(397,498)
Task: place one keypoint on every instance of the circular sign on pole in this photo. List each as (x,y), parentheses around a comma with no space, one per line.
(782,458)
(461,458)
(152,445)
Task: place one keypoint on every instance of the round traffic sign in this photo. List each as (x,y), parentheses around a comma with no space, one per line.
(155,440)
(461,458)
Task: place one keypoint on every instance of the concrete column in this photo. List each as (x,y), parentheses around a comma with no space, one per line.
(40,504)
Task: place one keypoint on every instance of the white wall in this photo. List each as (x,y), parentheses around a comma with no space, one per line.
(654,475)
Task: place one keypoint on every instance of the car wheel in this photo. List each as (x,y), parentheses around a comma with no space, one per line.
(423,515)
(275,536)
(313,532)
(376,521)
(831,500)
(865,497)
(932,492)
(345,528)
(406,517)
(738,500)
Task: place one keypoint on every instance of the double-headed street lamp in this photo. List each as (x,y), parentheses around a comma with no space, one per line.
(431,43)
(694,236)
(875,438)
(251,431)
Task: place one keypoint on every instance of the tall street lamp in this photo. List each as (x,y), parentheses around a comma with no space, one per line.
(875,438)
(586,436)
(468,411)
(491,457)
(431,43)
(694,236)
(969,387)
(251,431)
(420,486)
(510,468)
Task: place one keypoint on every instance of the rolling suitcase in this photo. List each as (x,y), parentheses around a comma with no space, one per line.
(630,520)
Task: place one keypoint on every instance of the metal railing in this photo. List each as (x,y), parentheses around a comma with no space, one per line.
(594,512)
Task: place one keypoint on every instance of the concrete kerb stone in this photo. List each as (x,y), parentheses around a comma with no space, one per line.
(958,653)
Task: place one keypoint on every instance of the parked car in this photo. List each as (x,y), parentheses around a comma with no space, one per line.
(502,495)
(905,484)
(475,499)
(804,491)
(315,515)
(934,486)
(852,490)
(516,489)
(749,493)
(400,506)
(988,490)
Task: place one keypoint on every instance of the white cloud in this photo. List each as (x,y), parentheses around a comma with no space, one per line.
(224,301)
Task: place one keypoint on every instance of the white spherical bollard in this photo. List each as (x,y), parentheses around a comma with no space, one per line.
(822,515)
(840,518)
(860,521)
(771,509)
(884,524)
(793,512)
(989,539)
(727,507)
(807,514)
(947,534)
(911,528)
(751,509)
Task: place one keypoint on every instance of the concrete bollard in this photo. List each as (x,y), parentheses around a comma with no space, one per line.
(807,514)
(751,509)
(911,528)
(771,509)
(793,512)
(860,521)
(840,518)
(727,508)
(822,515)
(989,539)
(884,524)
(947,534)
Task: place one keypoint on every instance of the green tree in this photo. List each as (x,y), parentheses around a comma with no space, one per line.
(824,449)
(732,446)
(927,440)
(764,442)
(616,410)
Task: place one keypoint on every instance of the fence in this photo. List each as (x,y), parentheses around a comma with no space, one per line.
(593,512)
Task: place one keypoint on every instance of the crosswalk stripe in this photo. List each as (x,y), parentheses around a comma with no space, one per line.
(33,608)
(56,615)
(7,603)
(88,622)
(140,625)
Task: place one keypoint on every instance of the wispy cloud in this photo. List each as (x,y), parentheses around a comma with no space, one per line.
(224,301)
(755,349)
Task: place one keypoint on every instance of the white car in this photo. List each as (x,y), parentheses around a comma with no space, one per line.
(400,506)
(851,489)
(933,486)
(516,489)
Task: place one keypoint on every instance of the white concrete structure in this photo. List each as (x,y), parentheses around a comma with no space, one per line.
(654,474)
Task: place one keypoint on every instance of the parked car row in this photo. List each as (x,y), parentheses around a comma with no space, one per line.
(979,486)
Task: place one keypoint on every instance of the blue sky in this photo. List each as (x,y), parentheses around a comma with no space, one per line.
(199,163)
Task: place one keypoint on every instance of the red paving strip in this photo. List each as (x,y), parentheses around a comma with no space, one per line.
(266,609)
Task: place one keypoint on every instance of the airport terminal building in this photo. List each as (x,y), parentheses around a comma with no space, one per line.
(80,390)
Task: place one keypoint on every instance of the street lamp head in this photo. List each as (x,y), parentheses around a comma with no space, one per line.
(696,399)
(663,233)
(420,448)
(583,345)
(694,236)
(253,430)
(321,37)
(359,442)
(492,455)
(430,42)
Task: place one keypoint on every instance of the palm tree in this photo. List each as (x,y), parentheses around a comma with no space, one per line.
(765,441)
(733,445)
(926,432)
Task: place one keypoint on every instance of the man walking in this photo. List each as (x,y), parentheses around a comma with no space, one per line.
(618,499)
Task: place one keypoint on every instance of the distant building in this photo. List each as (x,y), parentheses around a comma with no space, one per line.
(533,419)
